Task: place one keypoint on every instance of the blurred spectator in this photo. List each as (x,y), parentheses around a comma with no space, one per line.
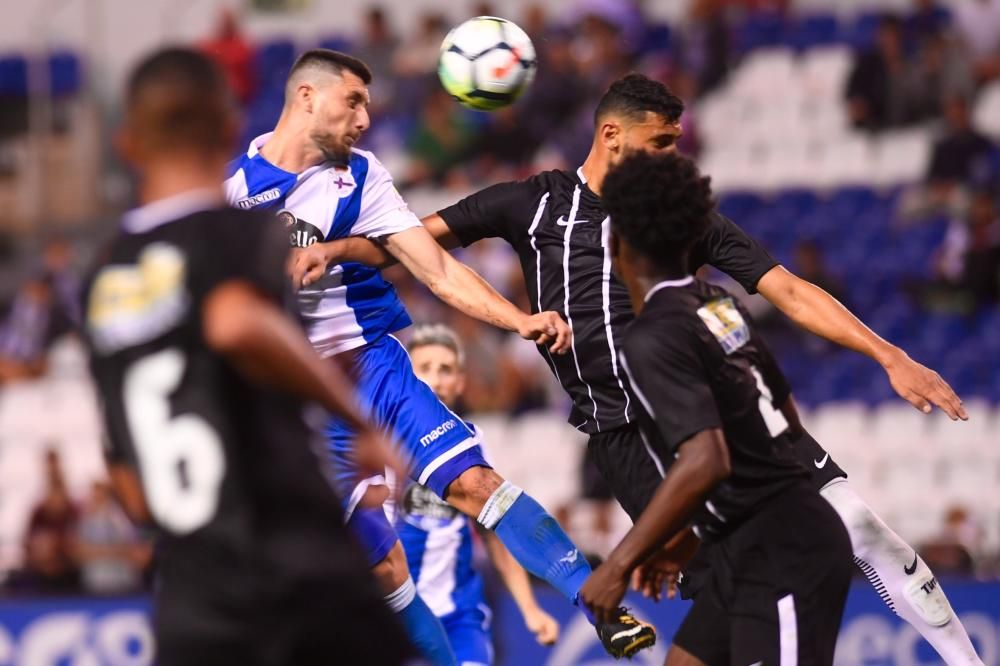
(978,24)
(884,88)
(811,266)
(234,54)
(376,48)
(704,47)
(969,258)
(24,334)
(440,140)
(110,553)
(952,552)
(415,61)
(49,564)
(600,53)
(927,20)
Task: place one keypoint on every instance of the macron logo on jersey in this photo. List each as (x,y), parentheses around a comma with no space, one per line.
(247,203)
(433,435)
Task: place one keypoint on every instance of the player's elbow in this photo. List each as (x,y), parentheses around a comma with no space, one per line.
(715,459)
(228,316)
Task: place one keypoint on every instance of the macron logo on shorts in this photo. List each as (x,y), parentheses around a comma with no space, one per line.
(433,435)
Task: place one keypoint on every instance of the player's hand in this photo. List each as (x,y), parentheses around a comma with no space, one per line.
(663,568)
(306,265)
(542,625)
(547,328)
(921,386)
(604,590)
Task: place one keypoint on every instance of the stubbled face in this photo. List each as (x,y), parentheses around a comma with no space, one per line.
(438,366)
(653,134)
(339,115)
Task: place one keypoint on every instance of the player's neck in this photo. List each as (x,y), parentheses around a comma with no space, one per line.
(171,177)
(290,147)
(594,169)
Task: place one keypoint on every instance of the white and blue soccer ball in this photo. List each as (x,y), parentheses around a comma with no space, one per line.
(486,63)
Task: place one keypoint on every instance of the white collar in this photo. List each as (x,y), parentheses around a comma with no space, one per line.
(683,282)
(258,143)
(159,212)
(579,174)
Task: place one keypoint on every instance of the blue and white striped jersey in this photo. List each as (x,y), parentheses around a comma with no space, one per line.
(351,305)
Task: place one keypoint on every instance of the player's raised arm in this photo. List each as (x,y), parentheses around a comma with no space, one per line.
(818,312)
(306,265)
(732,251)
(462,288)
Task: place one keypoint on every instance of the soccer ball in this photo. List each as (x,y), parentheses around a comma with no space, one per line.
(486,63)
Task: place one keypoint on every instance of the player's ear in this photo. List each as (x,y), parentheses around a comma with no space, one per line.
(306,95)
(611,135)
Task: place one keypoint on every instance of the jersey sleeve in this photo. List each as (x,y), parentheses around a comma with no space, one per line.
(669,376)
(383,211)
(728,248)
(251,247)
(489,213)
(774,378)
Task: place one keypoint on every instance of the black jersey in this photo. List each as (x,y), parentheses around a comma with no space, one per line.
(696,363)
(560,231)
(228,467)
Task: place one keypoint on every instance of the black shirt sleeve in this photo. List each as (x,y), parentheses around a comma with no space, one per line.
(247,246)
(728,248)
(669,376)
(490,213)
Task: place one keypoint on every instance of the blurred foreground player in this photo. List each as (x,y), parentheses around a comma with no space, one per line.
(557,223)
(204,381)
(437,538)
(780,564)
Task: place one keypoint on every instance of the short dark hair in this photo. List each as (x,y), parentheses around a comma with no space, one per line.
(179,98)
(333,61)
(659,204)
(635,94)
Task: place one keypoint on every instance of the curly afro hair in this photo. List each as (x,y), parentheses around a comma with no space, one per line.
(659,204)
(635,94)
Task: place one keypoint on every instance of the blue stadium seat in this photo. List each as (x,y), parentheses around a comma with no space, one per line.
(656,40)
(739,205)
(337,43)
(813,30)
(64,73)
(274,61)
(760,29)
(861,33)
(14,76)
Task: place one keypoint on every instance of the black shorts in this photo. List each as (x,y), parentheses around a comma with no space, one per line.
(822,468)
(315,625)
(775,587)
(632,469)
(592,482)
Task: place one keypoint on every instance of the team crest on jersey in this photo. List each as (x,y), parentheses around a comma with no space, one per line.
(300,232)
(133,304)
(725,322)
(342,183)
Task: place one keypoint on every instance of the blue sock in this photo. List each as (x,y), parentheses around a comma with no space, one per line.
(422,626)
(535,540)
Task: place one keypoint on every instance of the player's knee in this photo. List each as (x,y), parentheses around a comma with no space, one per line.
(392,571)
(470,491)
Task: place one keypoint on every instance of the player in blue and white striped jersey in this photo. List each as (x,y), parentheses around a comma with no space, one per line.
(438,539)
(310,173)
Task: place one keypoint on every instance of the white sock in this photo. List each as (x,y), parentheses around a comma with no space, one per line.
(885,558)
(402,597)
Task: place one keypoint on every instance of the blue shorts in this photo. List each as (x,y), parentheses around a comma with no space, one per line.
(436,443)
(469,634)
(371,527)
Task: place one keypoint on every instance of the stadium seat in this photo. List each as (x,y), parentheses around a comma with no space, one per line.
(657,39)
(812,30)
(64,74)
(986,113)
(860,33)
(764,28)
(14,76)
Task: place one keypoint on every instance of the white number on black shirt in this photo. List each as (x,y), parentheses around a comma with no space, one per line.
(181,459)
(773,419)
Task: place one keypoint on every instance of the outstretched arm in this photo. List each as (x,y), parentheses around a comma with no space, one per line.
(818,312)
(541,624)
(306,265)
(459,286)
